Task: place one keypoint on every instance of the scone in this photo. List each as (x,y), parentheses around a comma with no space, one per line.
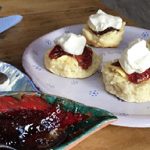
(71,58)
(129,77)
(104,30)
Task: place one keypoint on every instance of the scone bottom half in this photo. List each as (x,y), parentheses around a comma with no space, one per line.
(67,66)
(116,82)
(108,39)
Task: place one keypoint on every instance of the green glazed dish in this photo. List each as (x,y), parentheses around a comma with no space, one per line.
(76,132)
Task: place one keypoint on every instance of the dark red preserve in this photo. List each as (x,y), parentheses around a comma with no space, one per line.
(84,60)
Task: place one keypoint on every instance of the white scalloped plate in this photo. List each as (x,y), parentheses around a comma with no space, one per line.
(89,91)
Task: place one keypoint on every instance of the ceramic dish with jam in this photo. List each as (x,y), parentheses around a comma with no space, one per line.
(40,121)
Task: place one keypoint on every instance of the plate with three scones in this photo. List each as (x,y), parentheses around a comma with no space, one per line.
(64,63)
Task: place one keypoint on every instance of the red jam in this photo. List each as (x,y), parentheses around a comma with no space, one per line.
(84,60)
(136,77)
(105,31)
(32,123)
(139,77)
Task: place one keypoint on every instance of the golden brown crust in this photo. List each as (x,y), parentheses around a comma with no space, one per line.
(67,66)
(109,39)
(117,83)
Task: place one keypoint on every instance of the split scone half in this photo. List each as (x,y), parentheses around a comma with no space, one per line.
(67,66)
(71,65)
(129,77)
(104,30)
(108,39)
(117,83)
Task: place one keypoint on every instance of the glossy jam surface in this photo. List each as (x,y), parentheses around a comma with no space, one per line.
(84,60)
(139,77)
(33,123)
(136,77)
(105,31)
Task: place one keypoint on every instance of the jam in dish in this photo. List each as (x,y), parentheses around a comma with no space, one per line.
(136,77)
(31,123)
(84,60)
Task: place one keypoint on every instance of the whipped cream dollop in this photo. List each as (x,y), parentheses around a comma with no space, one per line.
(136,57)
(71,43)
(101,21)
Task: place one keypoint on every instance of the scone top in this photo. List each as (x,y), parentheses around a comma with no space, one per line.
(136,57)
(101,21)
(71,43)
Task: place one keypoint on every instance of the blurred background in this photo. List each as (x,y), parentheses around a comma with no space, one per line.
(137,10)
